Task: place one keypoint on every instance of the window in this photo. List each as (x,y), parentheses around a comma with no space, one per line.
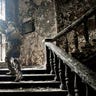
(2,36)
(2,47)
(2,9)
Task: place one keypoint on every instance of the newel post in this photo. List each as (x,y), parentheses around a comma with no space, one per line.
(47,55)
(47,59)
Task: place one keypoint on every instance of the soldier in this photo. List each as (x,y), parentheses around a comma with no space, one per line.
(13,51)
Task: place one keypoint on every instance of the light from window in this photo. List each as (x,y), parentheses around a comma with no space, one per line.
(2,9)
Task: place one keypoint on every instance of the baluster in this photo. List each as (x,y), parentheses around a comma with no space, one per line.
(75,86)
(76,52)
(66,80)
(76,42)
(87,90)
(95,20)
(56,68)
(86,34)
(66,44)
(94,32)
(61,75)
(1,45)
(51,62)
(47,59)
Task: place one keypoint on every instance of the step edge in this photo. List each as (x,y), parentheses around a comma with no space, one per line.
(26,75)
(53,90)
(28,82)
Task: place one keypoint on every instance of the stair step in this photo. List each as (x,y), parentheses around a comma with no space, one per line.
(35,82)
(25,71)
(27,77)
(34,91)
(47,89)
(28,84)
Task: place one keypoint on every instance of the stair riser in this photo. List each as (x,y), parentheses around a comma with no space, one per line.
(26,71)
(26,78)
(35,94)
(26,85)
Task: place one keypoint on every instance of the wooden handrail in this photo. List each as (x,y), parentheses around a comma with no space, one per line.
(84,73)
(74,24)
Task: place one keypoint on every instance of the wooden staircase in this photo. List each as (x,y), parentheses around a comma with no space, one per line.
(71,55)
(34,82)
(66,72)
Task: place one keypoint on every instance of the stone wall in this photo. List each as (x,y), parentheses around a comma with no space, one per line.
(32,49)
(70,10)
(67,12)
(46,25)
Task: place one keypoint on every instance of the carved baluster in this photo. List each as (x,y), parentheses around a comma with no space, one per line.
(66,44)
(94,32)
(61,74)
(87,93)
(76,42)
(67,80)
(95,20)
(75,86)
(1,45)
(86,34)
(51,62)
(56,68)
(47,59)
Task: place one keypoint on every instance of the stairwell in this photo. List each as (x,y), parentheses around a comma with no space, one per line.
(74,68)
(65,74)
(34,82)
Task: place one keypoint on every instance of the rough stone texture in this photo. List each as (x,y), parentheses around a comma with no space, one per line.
(45,24)
(68,12)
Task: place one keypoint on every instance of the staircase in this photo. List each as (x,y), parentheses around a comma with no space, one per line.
(66,72)
(34,82)
(71,56)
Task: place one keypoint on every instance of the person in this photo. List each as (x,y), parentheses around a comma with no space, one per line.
(13,51)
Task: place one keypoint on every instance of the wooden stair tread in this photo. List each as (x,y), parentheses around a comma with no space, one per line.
(27,82)
(33,90)
(6,69)
(26,75)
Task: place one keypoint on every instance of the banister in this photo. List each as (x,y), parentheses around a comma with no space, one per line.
(75,23)
(84,73)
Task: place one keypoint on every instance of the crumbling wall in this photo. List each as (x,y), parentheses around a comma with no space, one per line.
(67,12)
(32,49)
(70,10)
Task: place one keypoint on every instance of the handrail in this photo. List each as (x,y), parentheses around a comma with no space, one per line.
(58,61)
(85,74)
(74,24)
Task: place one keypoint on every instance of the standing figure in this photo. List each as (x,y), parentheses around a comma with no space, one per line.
(13,51)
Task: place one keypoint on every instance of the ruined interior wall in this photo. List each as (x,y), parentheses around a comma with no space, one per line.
(32,50)
(70,10)
(67,12)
